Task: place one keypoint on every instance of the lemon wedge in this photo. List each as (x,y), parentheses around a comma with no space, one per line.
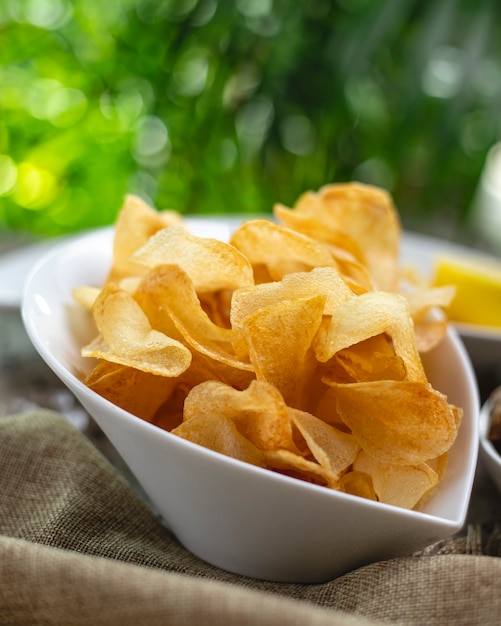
(478,288)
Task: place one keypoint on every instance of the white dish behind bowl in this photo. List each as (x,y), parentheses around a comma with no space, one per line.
(239,517)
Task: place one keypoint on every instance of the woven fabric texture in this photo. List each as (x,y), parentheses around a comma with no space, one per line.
(79,546)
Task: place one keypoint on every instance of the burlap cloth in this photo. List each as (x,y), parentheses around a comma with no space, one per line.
(79,546)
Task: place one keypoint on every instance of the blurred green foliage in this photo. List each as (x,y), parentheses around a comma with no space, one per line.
(227,106)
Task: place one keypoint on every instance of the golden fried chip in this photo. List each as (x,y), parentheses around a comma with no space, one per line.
(138,392)
(258,412)
(211,264)
(349,259)
(135,224)
(399,485)
(309,225)
(333,449)
(279,338)
(422,300)
(371,314)
(430,323)
(405,423)
(126,337)
(220,434)
(429,333)
(359,484)
(439,464)
(280,250)
(320,281)
(167,291)
(297,466)
(366,215)
(371,359)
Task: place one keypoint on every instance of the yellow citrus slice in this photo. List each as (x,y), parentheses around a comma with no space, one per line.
(478,288)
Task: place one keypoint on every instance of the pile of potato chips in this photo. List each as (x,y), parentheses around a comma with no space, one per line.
(295,346)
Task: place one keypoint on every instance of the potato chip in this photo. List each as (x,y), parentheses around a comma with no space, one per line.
(309,225)
(422,301)
(126,337)
(138,392)
(220,434)
(280,250)
(202,369)
(289,364)
(259,412)
(371,359)
(403,486)
(349,258)
(136,223)
(439,464)
(371,314)
(211,264)
(367,216)
(333,449)
(297,466)
(400,422)
(430,322)
(320,281)
(359,484)
(167,292)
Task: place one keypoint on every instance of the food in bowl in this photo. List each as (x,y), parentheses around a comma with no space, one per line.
(236,515)
(293,347)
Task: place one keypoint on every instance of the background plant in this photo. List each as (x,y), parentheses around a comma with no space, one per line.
(228,106)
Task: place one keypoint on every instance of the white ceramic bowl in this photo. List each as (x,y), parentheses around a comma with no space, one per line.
(239,517)
(490,457)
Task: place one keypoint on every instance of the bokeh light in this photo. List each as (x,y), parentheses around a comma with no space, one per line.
(222,106)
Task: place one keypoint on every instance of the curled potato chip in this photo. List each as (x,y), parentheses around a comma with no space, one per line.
(220,434)
(366,215)
(430,323)
(400,422)
(308,224)
(211,264)
(371,359)
(400,485)
(296,465)
(138,392)
(348,256)
(167,291)
(280,250)
(333,449)
(126,337)
(320,281)
(421,301)
(290,364)
(258,412)
(135,224)
(371,314)
(359,484)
